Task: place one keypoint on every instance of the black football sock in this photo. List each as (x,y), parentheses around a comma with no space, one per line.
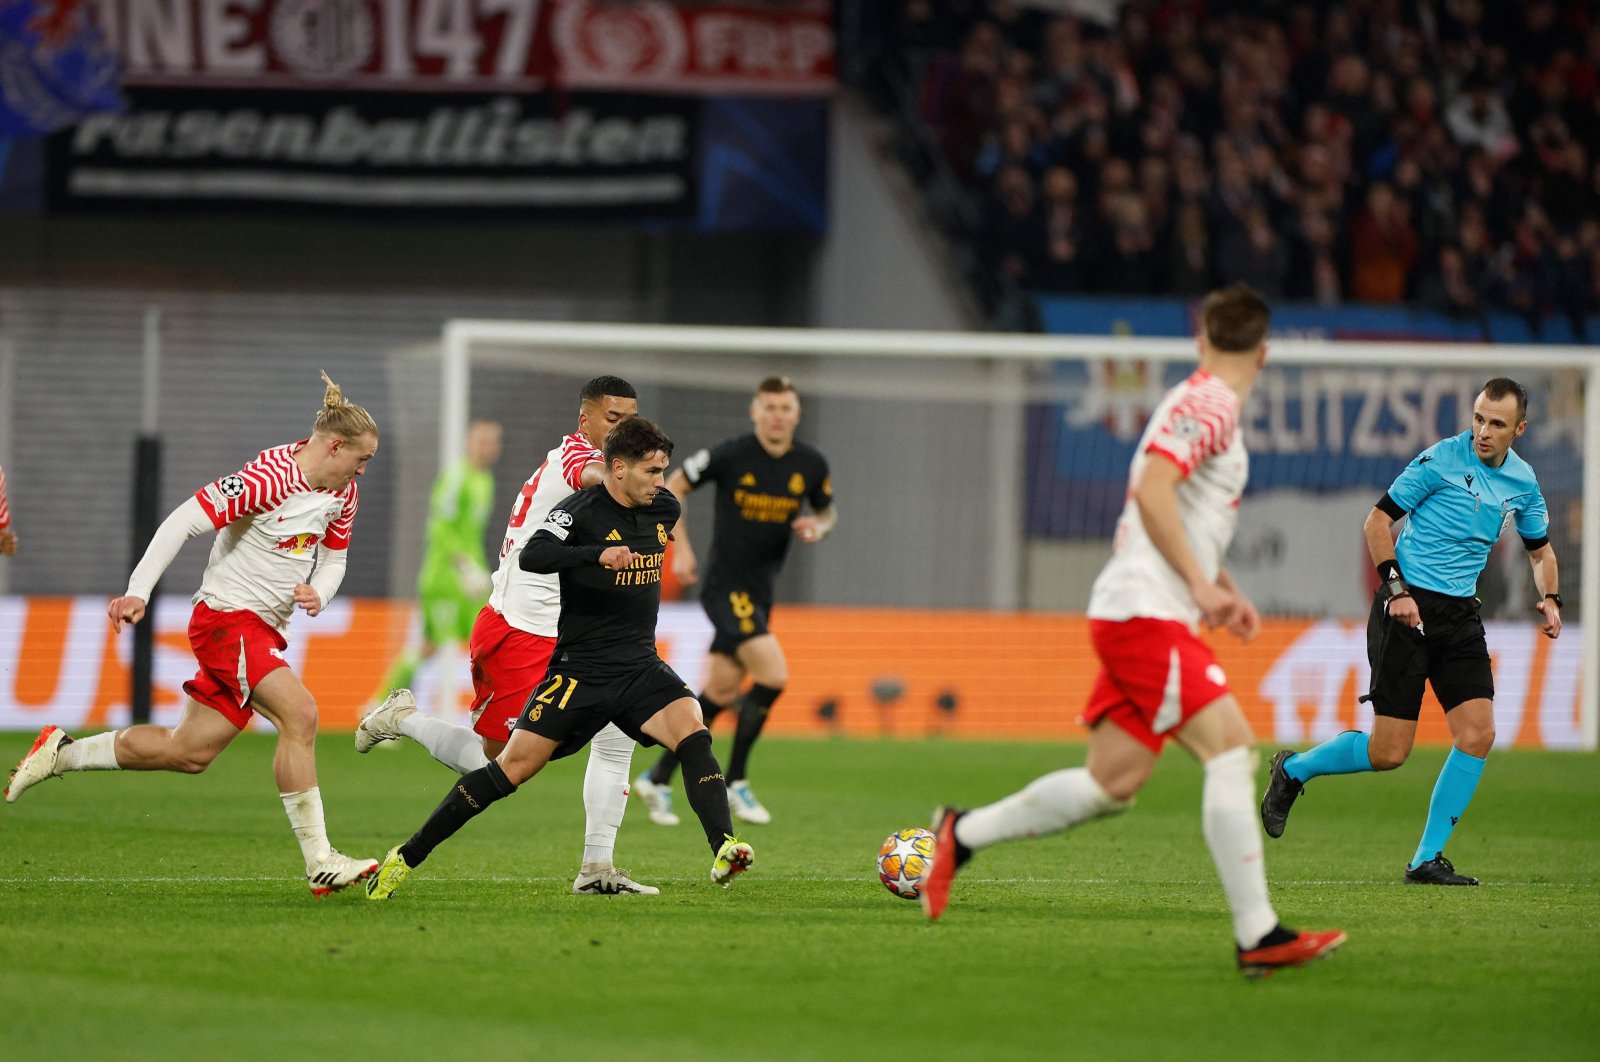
(705,787)
(661,774)
(471,794)
(1279,935)
(753,710)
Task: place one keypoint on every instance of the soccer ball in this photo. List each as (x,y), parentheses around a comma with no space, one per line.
(903,861)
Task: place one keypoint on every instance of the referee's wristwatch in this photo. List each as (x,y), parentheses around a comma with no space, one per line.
(1556,598)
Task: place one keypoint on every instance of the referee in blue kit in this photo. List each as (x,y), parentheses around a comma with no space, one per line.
(1458,495)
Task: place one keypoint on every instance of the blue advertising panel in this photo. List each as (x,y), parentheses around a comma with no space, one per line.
(1320,430)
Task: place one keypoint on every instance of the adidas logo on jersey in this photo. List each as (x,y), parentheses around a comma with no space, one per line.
(613,537)
(747,480)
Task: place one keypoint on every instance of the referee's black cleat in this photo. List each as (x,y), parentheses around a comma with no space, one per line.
(1436,871)
(1280,795)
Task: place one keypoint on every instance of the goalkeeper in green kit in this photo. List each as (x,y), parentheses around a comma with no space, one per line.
(454,581)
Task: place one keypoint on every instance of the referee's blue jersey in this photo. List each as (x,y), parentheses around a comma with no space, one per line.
(1457,506)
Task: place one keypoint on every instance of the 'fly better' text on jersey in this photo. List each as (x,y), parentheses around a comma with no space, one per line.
(608,618)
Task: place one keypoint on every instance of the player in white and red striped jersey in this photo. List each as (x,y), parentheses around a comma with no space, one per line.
(282,525)
(1157,679)
(511,643)
(8,537)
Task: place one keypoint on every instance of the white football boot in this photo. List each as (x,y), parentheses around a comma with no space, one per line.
(744,804)
(39,763)
(336,871)
(383,722)
(658,799)
(611,881)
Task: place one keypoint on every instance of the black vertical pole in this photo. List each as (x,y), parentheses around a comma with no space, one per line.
(146,498)
(146,495)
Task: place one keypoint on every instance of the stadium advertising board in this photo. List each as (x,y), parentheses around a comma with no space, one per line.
(608,153)
(385,46)
(1324,443)
(901,672)
(548,108)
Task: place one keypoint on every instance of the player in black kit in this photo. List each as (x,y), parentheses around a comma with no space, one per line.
(761,481)
(607,542)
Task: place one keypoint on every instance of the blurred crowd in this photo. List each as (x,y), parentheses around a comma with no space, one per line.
(1444,153)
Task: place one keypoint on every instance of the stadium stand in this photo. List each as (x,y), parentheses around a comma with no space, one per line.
(1439,153)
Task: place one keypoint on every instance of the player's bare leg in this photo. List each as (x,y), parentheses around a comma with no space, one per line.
(1220,738)
(1391,741)
(679,727)
(283,700)
(1116,768)
(724,678)
(188,748)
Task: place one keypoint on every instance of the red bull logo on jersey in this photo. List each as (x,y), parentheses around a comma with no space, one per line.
(298,544)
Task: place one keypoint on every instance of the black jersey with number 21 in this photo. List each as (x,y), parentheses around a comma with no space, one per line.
(608,618)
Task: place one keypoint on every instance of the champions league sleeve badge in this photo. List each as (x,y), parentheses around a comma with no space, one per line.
(55,67)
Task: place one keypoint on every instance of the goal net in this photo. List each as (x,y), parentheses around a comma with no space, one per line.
(979,476)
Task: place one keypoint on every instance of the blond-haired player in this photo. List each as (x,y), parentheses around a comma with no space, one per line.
(282,525)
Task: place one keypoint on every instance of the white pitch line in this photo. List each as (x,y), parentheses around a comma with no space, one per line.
(786,879)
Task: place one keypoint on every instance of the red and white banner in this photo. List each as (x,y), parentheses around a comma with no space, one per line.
(728,48)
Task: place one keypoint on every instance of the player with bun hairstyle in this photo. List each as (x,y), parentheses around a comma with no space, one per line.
(282,526)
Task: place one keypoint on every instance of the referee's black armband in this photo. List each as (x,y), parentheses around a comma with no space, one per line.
(1389,506)
(1531,544)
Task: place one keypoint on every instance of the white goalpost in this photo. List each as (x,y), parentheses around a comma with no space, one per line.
(948,414)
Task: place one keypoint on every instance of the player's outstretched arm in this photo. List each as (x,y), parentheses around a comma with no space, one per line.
(8,543)
(183,523)
(1547,577)
(545,555)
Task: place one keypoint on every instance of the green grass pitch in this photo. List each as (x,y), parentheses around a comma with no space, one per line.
(164,917)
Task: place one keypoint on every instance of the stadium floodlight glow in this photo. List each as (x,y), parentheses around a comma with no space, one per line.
(1004,371)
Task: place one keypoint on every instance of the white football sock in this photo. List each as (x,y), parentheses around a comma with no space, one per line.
(1233,833)
(605,795)
(305,815)
(96,753)
(1050,804)
(457,747)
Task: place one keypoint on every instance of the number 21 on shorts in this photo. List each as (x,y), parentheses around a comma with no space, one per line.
(548,696)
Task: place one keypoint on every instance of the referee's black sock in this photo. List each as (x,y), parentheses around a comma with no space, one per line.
(705,787)
(471,794)
(661,774)
(754,708)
